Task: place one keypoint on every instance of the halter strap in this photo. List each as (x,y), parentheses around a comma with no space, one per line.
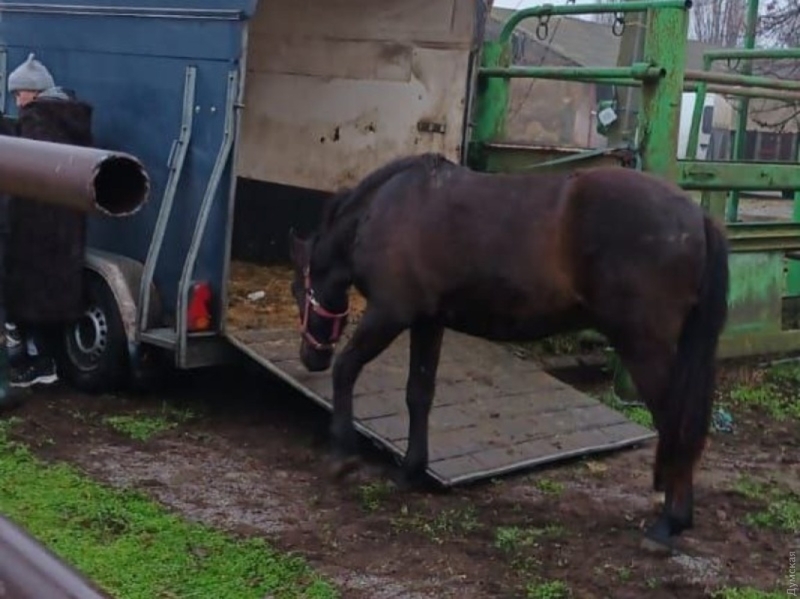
(313,305)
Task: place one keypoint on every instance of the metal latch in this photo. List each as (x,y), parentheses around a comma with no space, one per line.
(431,127)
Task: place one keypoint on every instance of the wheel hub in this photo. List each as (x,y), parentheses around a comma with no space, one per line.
(89,338)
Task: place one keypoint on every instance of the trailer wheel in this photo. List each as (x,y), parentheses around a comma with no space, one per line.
(94,353)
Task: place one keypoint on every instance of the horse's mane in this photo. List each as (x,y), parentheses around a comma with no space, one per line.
(349,199)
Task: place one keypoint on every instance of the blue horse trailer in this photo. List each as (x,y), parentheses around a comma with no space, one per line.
(247,114)
(166,84)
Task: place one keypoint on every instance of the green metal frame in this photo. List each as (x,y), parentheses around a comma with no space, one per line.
(760,253)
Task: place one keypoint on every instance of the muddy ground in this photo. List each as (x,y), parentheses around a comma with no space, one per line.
(246,455)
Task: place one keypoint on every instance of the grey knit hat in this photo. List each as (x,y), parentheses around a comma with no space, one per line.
(31,75)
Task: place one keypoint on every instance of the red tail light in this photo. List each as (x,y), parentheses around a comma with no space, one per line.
(199,309)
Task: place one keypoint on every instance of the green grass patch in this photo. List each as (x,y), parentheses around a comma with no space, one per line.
(447,524)
(746,593)
(551,589)
(549,486)
(781,506)
(133,547)
(372,495)
(567,344)
(775,394)
(142,427)
(636,413)
(513,538)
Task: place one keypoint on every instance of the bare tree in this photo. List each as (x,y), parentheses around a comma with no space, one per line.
(719,22)
(779,23)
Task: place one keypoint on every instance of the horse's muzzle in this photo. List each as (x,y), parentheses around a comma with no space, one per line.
(315,360)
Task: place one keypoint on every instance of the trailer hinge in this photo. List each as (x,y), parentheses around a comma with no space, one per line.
(431,127)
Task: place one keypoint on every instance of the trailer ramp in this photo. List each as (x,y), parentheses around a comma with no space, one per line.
(493,413)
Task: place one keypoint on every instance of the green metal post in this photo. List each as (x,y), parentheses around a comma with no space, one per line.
(659,118)
(631,50)
(793,276)
(708,201)
(492,99)
(697,114)
(744,105)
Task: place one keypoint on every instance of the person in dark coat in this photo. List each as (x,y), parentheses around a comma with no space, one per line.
(46,243)
(8,399)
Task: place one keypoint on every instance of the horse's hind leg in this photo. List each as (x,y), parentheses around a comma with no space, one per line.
(651,366)
(374,333)
(426,345)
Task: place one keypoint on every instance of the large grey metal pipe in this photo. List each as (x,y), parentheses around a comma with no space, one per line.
(85,179)
(30,571)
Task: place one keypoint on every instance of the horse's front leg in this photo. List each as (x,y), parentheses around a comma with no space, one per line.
(374,333)
(426,345)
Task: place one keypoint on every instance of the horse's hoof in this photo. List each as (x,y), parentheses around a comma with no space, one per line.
(342,466)
(657,547)
(657,538)
(407,482)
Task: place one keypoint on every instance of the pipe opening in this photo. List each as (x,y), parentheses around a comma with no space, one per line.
(121,185)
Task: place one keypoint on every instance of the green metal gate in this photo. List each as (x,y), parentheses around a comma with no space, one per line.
(765,273)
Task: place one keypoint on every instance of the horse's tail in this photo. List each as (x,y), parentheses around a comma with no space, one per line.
(688,405)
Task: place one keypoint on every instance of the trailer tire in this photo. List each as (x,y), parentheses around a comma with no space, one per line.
(94,350)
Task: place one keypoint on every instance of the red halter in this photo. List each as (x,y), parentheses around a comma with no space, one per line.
(313,305)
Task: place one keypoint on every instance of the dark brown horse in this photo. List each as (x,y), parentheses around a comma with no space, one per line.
(434,245)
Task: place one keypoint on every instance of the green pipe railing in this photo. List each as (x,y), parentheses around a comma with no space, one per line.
(496,69)
(693,86)
(735,54)
(636,72)
(732,212)
(549,10)
(753,53)
(749,80)
(748,92)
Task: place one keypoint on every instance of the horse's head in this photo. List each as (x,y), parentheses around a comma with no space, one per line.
(322,303)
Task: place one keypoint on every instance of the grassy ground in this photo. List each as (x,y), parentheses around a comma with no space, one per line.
(133,547)
(524,536)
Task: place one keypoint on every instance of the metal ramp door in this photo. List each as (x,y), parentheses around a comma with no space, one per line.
(493,413)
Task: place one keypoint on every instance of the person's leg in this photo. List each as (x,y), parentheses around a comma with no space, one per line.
(9,398)
(37,365)
(13,340)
